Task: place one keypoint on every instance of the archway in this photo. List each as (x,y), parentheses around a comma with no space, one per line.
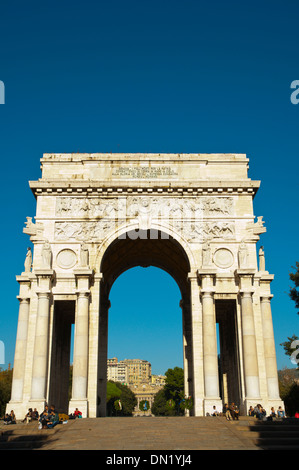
(143,249)
(145,318)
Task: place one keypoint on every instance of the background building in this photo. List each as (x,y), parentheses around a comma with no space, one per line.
(139,370)
(136,374)
(117,371)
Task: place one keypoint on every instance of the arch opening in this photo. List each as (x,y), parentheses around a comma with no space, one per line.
(125,253)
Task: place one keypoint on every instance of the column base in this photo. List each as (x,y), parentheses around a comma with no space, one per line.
(275,402)
(198,408)
(248,402)
(81,404)
(19,408)
(39,405)
(208,404)
(266,404)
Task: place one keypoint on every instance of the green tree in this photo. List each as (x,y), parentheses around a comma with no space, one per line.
(292,343)
(174,384)
(167,402)
(294,291)
(115,392)
(5,389)
(128,399)
(159,403)
(112,391)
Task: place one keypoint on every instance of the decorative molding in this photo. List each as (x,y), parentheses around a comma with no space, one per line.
(66,258)
(223,258)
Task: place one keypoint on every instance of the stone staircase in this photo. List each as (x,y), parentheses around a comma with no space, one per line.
(269,435)
(25,436)
(150,433)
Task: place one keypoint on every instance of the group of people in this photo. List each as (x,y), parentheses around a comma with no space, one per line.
(32,415)
(260,413)
(47,419)
(10,418)
(50,417)
(231,412)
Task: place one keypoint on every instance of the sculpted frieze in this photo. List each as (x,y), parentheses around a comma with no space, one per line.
(201,231)
(193,232)
(133,206)
(79,231)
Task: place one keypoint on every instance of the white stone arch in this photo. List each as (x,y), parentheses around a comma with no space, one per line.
(181,278)
(168,229)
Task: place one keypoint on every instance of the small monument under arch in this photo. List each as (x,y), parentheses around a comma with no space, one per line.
(98,215)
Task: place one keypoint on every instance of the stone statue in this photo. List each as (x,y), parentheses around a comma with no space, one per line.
(84,256)
(28,260)
(47,255)
(206,254)
(262,266)
(242,255)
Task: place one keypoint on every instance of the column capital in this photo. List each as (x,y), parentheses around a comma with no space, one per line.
(207,292)
(83,272)
(192,277)
(266,297)
(44,272)
(24,278)
(43,293)
(23,300)
(246,293)
(245,272)
(83,293)
(203,272)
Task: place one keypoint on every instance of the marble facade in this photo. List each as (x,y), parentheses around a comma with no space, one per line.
(100,214)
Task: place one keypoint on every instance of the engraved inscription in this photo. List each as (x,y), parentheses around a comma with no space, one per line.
(144,172)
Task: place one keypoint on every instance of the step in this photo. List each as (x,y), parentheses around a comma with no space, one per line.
(24,436)
(282,443)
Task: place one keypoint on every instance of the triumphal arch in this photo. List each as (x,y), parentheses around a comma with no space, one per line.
(98,215)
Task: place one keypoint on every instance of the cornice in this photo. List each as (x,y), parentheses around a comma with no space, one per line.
(97,188)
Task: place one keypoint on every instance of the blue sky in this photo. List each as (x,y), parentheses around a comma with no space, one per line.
(151,76)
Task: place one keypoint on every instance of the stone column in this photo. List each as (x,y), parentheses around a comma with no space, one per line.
(94,398)
(269,348)
(17,402)
(105,305)
(41,351)
(80,358)
(196,322)
(251,372)
(249,347)
(210,360)
(81,343)
(41,344)
(250,362)
(20,351)
(210,354)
